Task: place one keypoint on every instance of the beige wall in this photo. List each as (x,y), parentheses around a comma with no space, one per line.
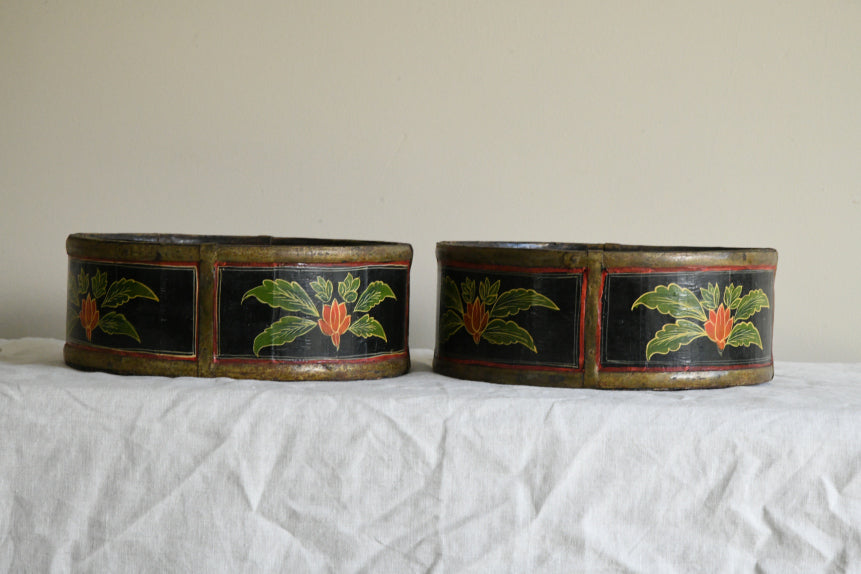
(732,123)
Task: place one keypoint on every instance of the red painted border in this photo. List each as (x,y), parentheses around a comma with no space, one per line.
(513,367)
(195,265)
(374,359)
(514,268)
(581,328)
(646,270)
(345,264)
(682,369)
(137,354)
(361,265)
(610,270)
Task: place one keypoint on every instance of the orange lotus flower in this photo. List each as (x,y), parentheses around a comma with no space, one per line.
(719,326)
(335,321)
(89,316)
(475,319)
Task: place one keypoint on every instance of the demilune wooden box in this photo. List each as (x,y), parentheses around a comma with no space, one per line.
(605,316)
(246,307)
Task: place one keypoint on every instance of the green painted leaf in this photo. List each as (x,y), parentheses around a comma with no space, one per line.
(750,304)
(83,282)
(366,327)
(744,335)
(467,288)
(449,324)
(731,295)
(122,290)
(72,320)
(283,294)
(375,293)
(72,289)
(451,296)
(710,297)
(322,289)
(488,293)
(115,323)
(499,332)
(483,288)
(672,336)
(492,293)
(99,284)
(672,300)
(348,287)
(283,331)
(516,300)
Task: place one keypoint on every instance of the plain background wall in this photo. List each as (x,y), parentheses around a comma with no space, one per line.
(734,123)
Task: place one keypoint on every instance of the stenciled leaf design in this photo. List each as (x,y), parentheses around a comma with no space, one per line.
(493,293)
(516,300)
(322,289)
(114,323)
(83,282)
(731,295)
(499,332)
(467,288)
(283,331)
(672,336)
(750,304)
(488,292)
(122,290)
(449,324)
(99,284)
(372,296)
(710,297)
(673,300)
(287,295)
(366,327)
(451,296)
(72,288)
(744,335)
(72,321)
(348,288)
(350,296)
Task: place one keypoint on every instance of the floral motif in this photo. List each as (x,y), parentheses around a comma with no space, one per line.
(725,324)
(89,316)
(334,320)
(101,296)
(481,323)
(475,319)
(719,326)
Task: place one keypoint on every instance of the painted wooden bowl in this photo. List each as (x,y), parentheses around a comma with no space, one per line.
(605,316)
(244,307)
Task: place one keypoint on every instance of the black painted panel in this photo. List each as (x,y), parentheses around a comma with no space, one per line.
(626,332)
(244,317)
(133,307)
(554,332)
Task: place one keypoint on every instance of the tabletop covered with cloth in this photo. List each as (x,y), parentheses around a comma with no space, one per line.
(423,473)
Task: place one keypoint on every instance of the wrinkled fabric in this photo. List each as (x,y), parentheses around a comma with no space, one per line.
(423,473)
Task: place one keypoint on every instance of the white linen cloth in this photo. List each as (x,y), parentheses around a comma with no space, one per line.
(423,473)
